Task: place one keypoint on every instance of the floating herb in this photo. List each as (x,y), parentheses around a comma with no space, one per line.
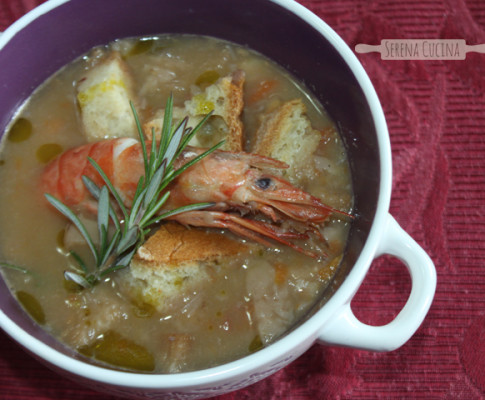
(132,226)
(13,267)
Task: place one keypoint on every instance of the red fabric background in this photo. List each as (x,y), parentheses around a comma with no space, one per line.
(436,116)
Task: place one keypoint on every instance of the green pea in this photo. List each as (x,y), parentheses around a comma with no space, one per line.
(141,46)
(60,238)
(32,306)
(48,151)
(116,350)
(71,286)
(256,344)
(142,309)
(212,132)
(21,130)
(207,78)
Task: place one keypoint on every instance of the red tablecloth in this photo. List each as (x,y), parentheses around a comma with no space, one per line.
(436,116)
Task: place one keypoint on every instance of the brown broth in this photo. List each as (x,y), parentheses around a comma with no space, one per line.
(250,300)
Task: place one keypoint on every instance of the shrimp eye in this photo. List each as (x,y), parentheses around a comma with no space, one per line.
(263,183)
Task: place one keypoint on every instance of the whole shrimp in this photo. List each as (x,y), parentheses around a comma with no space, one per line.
(231,181)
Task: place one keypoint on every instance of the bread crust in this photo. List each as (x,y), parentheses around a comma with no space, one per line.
(225,99)
(174,245)
(175,260)
(287,135)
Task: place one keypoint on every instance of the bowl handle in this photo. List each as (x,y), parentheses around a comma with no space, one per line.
(346,330)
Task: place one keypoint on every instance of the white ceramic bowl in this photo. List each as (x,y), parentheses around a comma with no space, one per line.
(58,31)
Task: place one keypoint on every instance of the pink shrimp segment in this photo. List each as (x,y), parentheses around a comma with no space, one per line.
(120,159)
(234,182)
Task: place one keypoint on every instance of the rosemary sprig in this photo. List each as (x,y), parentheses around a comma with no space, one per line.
(115,252)
(14,267)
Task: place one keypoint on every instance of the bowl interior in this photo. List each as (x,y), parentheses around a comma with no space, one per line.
(66,32)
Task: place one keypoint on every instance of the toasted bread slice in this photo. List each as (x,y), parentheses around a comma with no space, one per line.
(174,260)
(286,134)
(104,95)
(225,99)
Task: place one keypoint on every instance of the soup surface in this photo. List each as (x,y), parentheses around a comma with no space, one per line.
(235,305)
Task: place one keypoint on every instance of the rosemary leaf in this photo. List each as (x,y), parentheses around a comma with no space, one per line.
(152,188)
(109,250)
(14,267)
(166,127)
(136,209)
(124,260)
(169,175)
(103,217)
(139,187)
(79,261)
(191,134)
(196,159)
(128,240)
(95,192)
(175,141)
(140,134)
(80,280)
(153,160)
(68,213)
(91,186)
(116,267)
(110,186)
(179,210)
(146,219)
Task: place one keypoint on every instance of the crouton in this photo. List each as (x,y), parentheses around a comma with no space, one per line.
(225,99)
(286,134)
(104,95)
(174,260)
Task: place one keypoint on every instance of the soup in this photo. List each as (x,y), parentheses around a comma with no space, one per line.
(193,297)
